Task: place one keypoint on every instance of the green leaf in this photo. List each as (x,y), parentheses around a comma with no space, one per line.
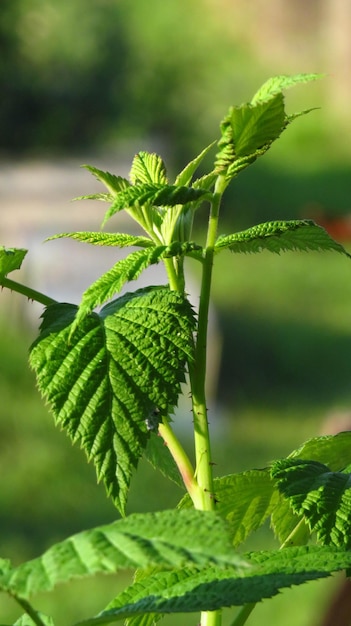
(280,236)
(104,380)
(10,259)
(148,168)
(322,496)
(255,126)
(104,197)
(120,240)
(126,270)
(157,195)
(245,500)
(333,450)
(186,175)
(171,539)
(114,184)
(189,590)
(277,84)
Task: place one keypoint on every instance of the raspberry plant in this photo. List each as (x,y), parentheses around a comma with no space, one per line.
(111,370)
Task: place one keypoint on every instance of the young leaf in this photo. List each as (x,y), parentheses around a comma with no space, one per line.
(170,539)
(104,381)
(10,259)
(322,496)
(278,83)
(209,589)
(255,126)
(186,175)
(280,236)
(104,197)
(114,184)
(120,240)
(148,168)
(157,195)
(26,620)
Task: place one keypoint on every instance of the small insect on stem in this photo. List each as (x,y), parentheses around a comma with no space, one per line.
(153,419)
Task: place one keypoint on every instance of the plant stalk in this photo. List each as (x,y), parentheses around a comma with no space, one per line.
(31,294)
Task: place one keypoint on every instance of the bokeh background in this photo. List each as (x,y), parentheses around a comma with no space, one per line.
(94,83)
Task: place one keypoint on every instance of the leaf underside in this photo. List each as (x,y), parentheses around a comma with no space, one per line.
(104,381)
(280,236)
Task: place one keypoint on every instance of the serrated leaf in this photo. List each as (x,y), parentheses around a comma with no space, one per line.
(120,240)
(104,197)
(114,183)
(210,589)
(10,259)
(246,500)
(281,236)
(148,168)
(276,84)
(186,175)
(103,381)
(171,539)
(157,195)
(255,126)
(322,496)
(333,450)
(126,270)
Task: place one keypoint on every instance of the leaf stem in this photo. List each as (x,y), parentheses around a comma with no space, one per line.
(31,294)
(182,460)
(33,614)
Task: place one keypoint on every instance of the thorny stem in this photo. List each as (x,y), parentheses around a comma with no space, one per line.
(31,294)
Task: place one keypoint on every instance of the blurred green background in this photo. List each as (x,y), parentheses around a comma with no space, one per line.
(109,77)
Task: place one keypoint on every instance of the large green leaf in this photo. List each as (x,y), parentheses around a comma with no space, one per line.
(322,496)
(209,589)
(106,379)
(10,259)
(168,539)
(280,236)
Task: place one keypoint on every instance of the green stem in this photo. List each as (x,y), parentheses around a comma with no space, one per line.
(184,465)
(197,370)
(243,614)
(33,614)
(31,294)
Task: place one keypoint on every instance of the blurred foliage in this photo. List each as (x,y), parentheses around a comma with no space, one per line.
(75,75)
